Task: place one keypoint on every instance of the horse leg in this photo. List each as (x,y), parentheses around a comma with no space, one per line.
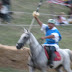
(43,70)
(59,69)
(66,65)
(67,68)
(31,69)
(30,64)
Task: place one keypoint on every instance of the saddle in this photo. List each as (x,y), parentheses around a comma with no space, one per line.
(57,56)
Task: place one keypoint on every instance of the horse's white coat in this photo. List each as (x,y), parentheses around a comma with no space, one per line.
(38,58)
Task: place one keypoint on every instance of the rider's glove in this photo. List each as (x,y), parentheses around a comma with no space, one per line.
(35,14)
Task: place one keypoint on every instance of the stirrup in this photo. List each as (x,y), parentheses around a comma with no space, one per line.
(51,65)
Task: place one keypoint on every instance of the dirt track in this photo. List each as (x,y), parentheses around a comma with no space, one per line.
(11,57)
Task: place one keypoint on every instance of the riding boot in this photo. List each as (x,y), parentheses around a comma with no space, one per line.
(51,61)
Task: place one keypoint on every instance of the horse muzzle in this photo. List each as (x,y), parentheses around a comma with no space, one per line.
(19,45)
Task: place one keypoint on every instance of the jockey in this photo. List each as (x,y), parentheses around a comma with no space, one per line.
(52,35)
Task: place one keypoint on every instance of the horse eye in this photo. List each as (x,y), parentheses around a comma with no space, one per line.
(25,37)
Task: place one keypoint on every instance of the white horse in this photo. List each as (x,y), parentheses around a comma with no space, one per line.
(38,58)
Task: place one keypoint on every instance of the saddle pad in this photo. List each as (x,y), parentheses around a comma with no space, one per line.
(57,58)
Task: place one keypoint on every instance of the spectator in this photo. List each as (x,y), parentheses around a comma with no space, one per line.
(67,1)
(70,19)
(62,19)
(4,13)
(7,3)
(59,20)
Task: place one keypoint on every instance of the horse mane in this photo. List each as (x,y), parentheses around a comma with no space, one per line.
(36,48)
(34,39)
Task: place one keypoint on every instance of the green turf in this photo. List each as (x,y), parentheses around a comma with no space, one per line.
(12,70)
(30,6)
(10,35)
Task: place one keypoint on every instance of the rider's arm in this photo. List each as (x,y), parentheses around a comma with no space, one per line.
(50,36)
(39,22)
(54,36)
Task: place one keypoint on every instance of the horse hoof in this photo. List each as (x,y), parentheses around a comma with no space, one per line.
(51,65)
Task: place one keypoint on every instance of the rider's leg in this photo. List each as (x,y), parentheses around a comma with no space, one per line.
(52,50)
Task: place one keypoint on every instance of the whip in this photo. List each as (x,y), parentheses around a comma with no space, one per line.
(38,7)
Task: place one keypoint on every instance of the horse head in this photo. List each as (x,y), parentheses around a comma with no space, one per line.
(23,39)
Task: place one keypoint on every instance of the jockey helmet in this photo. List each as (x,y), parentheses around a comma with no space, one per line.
(51,21)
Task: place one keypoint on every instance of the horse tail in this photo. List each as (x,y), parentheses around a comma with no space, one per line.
(69,52)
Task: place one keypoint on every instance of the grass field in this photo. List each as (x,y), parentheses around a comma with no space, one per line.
(9,35)
(11,70)
(30,6)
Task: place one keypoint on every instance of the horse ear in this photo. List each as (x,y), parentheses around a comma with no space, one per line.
(28,31)
(25,30)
